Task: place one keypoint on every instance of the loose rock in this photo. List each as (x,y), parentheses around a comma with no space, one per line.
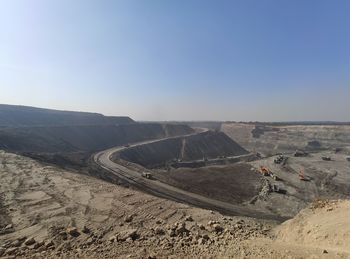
(29,241)
(73,231)
(2,251)
(128,218)
(132,233)
(159,231)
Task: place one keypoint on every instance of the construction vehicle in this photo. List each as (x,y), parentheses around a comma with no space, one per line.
(279,159)
(264,170)
(300,153)
(278,189)
(302,176)
(275,177)
(147,175)
(326,158)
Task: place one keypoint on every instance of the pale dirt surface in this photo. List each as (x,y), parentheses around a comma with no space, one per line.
(41,202)
(274,139)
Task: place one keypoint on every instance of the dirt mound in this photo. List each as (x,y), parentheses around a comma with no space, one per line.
(205,145)
(83,138)
(324,224)
(23,116)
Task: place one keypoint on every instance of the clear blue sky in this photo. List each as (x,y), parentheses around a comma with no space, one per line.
(179,59)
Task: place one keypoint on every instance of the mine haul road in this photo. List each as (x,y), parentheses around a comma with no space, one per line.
(160,189)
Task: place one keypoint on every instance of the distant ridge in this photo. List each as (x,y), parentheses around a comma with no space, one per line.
(26,116)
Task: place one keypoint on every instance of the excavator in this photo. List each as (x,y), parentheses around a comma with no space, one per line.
(302,176)
(264,170)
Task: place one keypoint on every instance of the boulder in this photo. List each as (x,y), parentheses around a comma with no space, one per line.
(132,233)
(9,226)
(2,251)
(38,244)
(73,231)
(50,243)
(85,230)
(201,241)
(128,218)
(189,218)
(217,228)
(11,251)
(16,243)
(29,241)
(159,231)
(181,230)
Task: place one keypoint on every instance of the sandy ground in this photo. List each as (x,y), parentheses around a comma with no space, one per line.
(274,139)
(70,215)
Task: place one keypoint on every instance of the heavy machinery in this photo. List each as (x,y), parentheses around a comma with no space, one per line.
(300,153)
(278,189)
(326,158)
(275,177)
(279,159)
(302,176)
(147,175)
(264,170)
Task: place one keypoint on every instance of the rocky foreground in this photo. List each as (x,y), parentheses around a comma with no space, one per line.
(47,212)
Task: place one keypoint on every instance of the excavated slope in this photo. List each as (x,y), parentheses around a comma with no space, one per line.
(83,138)
(205,145)
(24,116)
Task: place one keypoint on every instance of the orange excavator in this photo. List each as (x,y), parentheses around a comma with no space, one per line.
(264,170)
(302,176)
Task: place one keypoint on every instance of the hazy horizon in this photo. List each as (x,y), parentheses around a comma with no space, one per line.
(179,61)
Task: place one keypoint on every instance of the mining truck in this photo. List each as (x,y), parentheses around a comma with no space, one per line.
(147,175)
(278,189)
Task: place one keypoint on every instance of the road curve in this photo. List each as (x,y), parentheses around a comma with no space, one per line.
(103,159)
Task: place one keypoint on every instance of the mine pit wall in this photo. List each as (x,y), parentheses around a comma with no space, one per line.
(83,138)
(207,145)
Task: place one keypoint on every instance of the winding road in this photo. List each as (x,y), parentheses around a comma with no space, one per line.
(103,159)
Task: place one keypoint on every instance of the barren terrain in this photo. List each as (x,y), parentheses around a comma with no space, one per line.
(47,212)
(272,139)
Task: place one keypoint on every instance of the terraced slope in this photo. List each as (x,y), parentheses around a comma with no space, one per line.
(83,138)
(208,145)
